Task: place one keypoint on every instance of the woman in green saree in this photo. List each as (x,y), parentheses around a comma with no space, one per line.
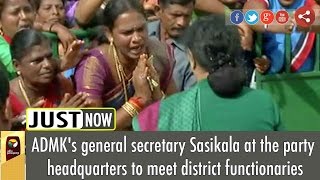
(219,101)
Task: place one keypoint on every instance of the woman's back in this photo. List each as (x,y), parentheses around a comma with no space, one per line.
(250,110)
(200,109)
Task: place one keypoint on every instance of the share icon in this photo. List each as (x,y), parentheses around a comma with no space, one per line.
(302,16)
(305,16)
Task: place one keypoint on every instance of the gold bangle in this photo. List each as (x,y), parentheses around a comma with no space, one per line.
(130,109)
(133,110)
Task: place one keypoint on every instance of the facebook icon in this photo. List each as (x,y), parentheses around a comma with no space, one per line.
(236,17)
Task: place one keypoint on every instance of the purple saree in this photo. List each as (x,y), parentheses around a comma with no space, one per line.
(93,76)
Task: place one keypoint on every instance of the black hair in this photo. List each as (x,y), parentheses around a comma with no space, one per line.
(4,81)
(23,40)
(36,3)
(2,5)
(114,8)
(216,46)
(165,3)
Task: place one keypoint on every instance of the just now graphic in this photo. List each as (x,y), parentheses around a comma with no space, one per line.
(12,155)
(71,119)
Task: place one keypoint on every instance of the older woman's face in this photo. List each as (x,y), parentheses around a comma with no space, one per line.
(129,34)
(38,66)
(16,14)
(51,11)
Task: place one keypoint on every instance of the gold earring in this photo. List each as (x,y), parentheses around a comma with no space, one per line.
(111,46)
(19,73)
(1,32)
(111,42)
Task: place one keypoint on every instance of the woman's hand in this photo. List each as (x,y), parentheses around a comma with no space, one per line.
(286,28)
(246,35)
(77,101)
(154,76)
(64,35)
(73,55)
(140,82)
(262,64)
(19,121)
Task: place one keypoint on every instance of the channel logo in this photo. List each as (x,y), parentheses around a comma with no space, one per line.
(236,17)
(305,16)
(13,143)
(12,147)
(252,17)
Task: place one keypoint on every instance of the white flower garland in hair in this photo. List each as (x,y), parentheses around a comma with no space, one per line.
(104,4)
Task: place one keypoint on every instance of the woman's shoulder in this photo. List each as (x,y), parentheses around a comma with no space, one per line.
(176,98)
(3,42)
(95,55)
(65,84)
(15,105)
(4,48)
(258,95)
(14,84)
(181,97)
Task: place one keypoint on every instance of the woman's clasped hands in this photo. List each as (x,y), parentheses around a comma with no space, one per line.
(146,80)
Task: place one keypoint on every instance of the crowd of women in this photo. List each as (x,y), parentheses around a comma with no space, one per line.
(126,69)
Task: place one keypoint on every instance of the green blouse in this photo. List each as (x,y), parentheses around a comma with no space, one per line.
(5,58)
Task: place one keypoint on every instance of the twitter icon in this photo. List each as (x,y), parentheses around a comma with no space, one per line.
(252,17)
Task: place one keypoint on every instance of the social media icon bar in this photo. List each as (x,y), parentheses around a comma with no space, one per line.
(266,17)
(282,17)
(252,17)
(305,16)
(236,17)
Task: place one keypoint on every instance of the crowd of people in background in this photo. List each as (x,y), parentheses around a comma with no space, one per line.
(162,64)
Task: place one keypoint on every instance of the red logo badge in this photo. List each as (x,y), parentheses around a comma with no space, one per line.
(282,17)
(305,16)
(266,17)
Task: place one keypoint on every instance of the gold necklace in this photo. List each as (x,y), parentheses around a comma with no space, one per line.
(24,93)
(120,72)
